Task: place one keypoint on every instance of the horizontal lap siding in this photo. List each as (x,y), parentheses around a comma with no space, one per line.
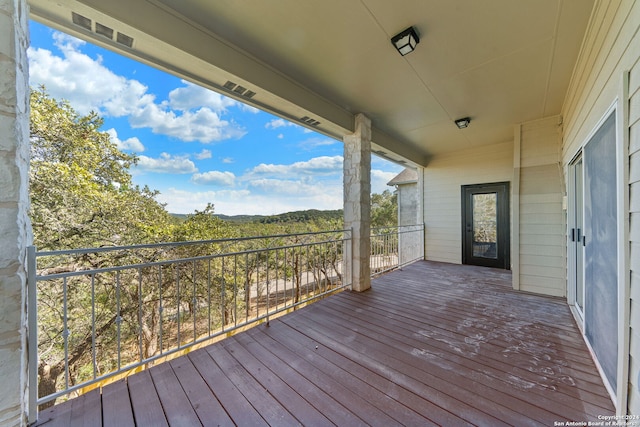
(542,220)
(444,175)
(634,238)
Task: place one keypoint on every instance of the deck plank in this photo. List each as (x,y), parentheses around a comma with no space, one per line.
(283,392)
(431,344)
(493,363)
(234,402)
(116,405)
(447,366)
(324,403)
(206,405)
(174,400)
(147,409)
(259,397)
(337,393)
(337,369)
(442,394)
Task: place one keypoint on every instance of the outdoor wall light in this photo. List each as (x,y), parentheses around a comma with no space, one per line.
(406,41)
(463,123)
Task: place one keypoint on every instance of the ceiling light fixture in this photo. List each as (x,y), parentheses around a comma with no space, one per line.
(463,123)
(406,41)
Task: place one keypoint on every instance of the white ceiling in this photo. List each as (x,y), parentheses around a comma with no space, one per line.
(500,62)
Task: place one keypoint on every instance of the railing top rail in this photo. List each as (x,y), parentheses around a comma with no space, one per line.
(177,244)
(396,226)
(135,266)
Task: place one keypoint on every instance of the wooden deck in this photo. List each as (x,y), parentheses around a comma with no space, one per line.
(433,344)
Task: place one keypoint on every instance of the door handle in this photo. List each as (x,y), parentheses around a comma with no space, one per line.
(573,234)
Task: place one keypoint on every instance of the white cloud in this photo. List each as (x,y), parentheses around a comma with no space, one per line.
(204,154)
(203,125)
(278,123)
(249,108)
(323,165)
(312,143)
(130,144)
(280,136)
(228,160)
(166,163)
(192,96)
(287,187)
(243,202)
(226,179)
(90,86)
(379,180)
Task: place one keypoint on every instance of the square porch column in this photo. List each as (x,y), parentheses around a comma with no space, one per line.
(15,232)
(357,203)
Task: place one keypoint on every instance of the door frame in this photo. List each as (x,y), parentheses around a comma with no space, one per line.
(573,263)
(503,224)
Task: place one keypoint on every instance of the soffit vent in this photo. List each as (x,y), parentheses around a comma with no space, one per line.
(80,20)
(239,90)
(101,29)
(308,120)
(124,40)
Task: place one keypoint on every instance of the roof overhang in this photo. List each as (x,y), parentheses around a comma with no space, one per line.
(318,63)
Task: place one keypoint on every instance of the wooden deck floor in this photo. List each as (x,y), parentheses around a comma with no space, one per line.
(433,344)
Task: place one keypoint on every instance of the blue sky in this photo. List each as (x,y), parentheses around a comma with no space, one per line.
(195,146)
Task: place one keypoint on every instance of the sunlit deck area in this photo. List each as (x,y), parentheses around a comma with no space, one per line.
(431,344)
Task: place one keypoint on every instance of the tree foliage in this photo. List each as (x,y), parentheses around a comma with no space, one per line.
(81,188)
(384,209)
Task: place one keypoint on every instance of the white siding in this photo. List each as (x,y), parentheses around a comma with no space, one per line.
(634,237)
(542,220)
(443,177)
(612,46)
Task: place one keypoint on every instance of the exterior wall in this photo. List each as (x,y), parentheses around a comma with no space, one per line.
(634,238)
(408,204)
(611,47)
(14,204)
(443,177)
(542,265)
(409,244)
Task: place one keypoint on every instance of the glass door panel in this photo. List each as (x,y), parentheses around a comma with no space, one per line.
(485,225)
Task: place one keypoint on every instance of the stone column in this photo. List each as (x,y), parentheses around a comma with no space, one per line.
(357,203)
(15,232)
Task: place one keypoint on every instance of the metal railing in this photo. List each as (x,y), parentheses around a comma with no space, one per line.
(102,312)
(394,247)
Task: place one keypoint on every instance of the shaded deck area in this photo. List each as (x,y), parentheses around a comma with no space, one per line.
(432,344)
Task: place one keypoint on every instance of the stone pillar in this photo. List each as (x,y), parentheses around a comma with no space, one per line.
(15,232)
(357,203)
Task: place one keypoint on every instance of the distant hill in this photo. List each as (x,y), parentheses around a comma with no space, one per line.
(297,216)
(302,216)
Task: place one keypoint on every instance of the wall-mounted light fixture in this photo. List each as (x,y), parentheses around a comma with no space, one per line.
(406,41)
(463,123)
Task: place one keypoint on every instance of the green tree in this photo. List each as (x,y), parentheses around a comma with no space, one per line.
(81,189)
(384,209)
(82,196)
